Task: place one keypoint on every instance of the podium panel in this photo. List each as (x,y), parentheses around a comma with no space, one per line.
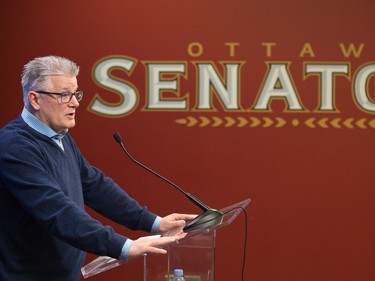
(195,254)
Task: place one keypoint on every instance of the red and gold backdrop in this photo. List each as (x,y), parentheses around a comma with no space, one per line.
(268,100)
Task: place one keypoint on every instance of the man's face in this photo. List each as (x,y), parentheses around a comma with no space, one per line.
(58,116)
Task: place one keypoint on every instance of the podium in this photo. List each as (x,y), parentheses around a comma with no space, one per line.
(195,254)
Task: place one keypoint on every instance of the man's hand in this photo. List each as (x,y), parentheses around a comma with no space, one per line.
(174,223)
(151,244)
(170,229)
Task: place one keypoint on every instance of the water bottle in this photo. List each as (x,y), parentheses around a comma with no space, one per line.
(178,275)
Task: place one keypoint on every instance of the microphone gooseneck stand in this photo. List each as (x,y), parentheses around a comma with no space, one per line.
(209,218)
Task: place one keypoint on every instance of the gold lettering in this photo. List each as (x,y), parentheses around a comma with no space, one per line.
(195,49)
(307,50)
(232,46)
(268,46)
(351,50)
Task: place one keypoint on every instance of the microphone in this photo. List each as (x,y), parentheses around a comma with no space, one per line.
(209,218)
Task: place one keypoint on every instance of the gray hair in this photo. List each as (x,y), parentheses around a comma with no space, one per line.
(36,72)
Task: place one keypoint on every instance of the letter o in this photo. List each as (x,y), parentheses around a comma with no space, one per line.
(195,49)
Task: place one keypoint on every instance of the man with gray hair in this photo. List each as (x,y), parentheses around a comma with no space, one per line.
(45,182)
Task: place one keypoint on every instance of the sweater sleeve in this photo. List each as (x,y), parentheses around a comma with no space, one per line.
(103,195)
(26,175)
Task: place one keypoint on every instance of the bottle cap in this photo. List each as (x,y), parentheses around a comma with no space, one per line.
(178,273)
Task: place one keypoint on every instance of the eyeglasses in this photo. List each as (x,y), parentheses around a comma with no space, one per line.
(65,97)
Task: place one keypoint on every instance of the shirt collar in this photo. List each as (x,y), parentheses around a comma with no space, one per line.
(39,126)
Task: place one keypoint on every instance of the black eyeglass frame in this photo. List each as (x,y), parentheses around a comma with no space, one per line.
(78,94)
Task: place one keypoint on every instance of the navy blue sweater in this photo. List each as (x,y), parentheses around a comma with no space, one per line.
(44,229)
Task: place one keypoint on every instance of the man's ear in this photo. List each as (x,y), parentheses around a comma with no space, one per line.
(34,100)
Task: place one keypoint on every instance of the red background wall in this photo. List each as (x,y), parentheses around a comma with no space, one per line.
(311,188)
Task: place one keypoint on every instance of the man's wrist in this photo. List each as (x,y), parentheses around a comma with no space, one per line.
(125,250)
(156,225)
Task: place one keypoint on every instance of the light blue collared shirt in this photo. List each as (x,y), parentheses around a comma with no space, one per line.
(42,128)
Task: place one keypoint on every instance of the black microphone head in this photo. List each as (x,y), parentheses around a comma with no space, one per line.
(117,137)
